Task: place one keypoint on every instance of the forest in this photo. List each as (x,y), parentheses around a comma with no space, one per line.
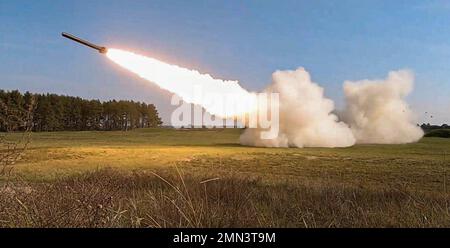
(52,112)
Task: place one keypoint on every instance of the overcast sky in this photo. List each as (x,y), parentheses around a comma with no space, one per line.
(243,40)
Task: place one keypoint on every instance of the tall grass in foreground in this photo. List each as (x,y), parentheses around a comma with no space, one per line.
(111,198)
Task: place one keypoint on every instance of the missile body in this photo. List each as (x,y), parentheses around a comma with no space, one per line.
(86,43)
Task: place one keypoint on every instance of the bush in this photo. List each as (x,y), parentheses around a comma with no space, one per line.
(441,133)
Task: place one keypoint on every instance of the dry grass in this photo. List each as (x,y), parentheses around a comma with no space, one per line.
(113,198)
(106,179)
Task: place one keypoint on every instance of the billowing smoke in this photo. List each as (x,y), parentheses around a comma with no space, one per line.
(305,115)
(377,112)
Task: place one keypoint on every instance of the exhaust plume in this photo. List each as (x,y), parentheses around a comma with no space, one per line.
(377,112)
(184,82)
(306,118)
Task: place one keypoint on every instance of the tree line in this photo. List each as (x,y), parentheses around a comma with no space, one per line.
(428,128)
(52,112)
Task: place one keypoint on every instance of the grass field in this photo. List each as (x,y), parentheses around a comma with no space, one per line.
(159,177)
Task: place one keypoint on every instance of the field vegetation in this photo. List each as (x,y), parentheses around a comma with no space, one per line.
(204,178)
(442,133)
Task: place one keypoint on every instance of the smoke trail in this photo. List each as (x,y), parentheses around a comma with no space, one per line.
(305,115)
(184,82)
(377,112)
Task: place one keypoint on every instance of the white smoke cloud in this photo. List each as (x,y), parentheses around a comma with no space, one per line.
(304,113)
(377,112)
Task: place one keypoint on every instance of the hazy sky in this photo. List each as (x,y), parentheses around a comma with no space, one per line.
(244,40)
